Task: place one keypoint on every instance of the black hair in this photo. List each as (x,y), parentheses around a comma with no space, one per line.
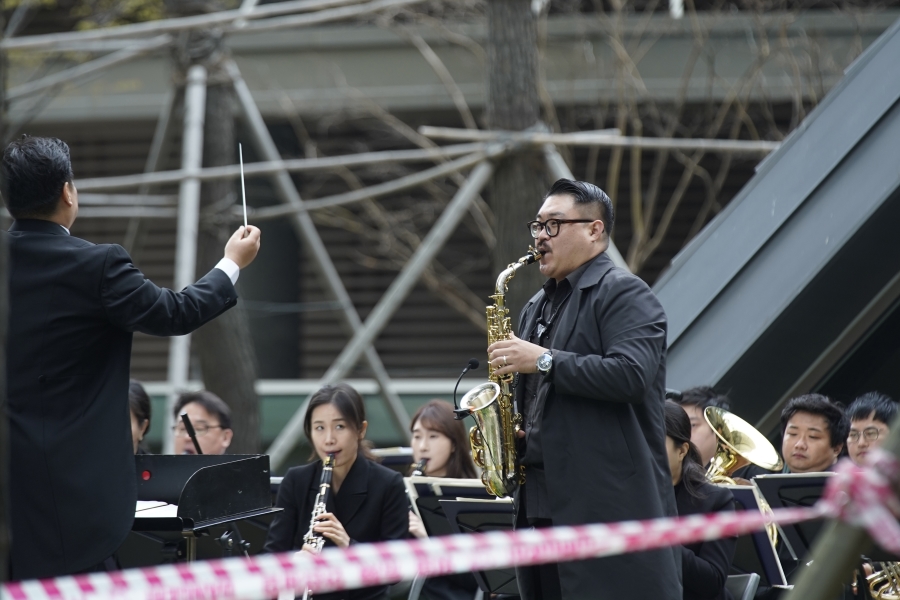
(678,427)
(586,195)
(139,402)
(703,396)
(883,407)
(817,404)
(211,403)
(348,402)
(35,170)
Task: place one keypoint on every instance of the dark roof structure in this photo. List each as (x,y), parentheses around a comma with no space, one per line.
(801,272)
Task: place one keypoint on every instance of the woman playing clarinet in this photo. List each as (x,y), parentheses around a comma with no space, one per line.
(367,502)
(441,444)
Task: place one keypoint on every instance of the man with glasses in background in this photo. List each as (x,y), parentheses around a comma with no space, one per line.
(870,418)
(211,419)
(591,359)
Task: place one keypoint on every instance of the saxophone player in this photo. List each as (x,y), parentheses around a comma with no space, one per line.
(367,502)
(590,354)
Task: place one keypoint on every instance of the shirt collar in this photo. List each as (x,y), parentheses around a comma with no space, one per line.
(571,279)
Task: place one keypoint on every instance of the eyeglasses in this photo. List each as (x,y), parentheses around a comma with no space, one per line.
(200,429)
(871,434)
(551,226)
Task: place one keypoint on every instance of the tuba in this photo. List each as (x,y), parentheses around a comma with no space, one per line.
(493,438)
(739,444)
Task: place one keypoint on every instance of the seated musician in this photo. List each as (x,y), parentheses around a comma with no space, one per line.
(705,565)
(813,433)
(442,440)
(211,419)
(694,401)
(870,418)
(367,501)
(139,402)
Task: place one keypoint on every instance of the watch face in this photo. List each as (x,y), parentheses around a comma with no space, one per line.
(544,362)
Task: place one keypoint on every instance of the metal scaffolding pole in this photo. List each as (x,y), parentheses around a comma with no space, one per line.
(163,123)
(607,138)
(309,235)
(136,30)
(88,68)
(374,191)
(560,170)
(274,167)
(392,299)
(188,225)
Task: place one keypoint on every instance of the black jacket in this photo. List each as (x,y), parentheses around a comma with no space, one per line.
(603,429)
(705,565)
(73,308)
(371,505)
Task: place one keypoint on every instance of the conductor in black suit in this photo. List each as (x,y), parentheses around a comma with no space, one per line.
(591,354)
(74,307)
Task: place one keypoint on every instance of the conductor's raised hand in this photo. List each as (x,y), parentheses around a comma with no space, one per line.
(243,245)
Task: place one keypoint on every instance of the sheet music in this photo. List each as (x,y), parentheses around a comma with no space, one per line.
(147,505)
(161,511)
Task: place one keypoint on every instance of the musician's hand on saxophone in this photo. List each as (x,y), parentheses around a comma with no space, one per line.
(328,525)
(514,355)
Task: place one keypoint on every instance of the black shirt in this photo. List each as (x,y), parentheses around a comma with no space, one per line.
(556,296)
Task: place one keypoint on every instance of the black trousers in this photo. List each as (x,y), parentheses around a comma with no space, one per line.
(538,582)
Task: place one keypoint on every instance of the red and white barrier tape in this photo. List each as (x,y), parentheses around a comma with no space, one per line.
(860,496)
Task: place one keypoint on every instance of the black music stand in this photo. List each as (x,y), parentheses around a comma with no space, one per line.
(425,494)
(201,492)
(795,490)
(398,458)
(479,516)
(755,552)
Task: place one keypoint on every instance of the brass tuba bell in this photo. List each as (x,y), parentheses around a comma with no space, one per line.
(739,444)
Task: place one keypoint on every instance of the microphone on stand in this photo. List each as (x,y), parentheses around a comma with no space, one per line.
(462,413)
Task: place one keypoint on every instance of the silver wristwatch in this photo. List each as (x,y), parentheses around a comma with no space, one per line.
(545,362)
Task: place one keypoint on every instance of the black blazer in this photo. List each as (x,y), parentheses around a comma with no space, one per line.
(73,308)
(705,565)
(371,505)
(603,429)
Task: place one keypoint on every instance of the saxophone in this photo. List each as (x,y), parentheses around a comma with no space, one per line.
(493,438)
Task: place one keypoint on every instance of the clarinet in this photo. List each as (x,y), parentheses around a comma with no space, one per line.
(418,471)
(312,538)
(419,468)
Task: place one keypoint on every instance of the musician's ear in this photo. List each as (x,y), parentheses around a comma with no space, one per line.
(362,430)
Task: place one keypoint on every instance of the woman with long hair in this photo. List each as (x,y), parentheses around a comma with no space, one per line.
(705,565)
(442,441)
(367,502)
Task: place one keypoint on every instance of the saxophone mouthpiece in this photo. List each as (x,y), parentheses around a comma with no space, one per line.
(532,256)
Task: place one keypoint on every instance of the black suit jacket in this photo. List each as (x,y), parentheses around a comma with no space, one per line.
(603,428)
(371,505)
(705,565)
(73,308)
